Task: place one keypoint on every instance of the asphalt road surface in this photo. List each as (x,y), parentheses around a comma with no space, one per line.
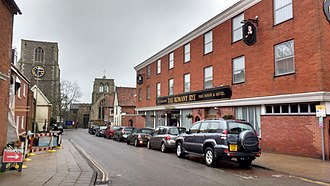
(129,165)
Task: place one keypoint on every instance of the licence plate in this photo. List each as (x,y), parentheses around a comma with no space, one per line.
(232,147)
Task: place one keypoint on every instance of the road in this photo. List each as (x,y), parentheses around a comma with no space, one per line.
(129,165)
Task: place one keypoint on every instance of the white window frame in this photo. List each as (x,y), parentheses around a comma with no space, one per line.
(22,124)
(237,69)
(171,60)
(140,94)
(208,77)
(24,90)
(158,90)
(171,87)
(208,42)
(285,57)
(159,66)
(148,71)
(186,53)
(148,92)
(278,8)
(237,27)
(186,83)
(17,121)
(19,92)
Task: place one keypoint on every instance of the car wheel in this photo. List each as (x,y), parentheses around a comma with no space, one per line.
(180,151)
(244,163)
(209,157)
(114,139)
(163,147)
(136,143)
(148,145)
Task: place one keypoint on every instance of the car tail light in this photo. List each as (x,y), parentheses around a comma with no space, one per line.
(168,137)
(224,135)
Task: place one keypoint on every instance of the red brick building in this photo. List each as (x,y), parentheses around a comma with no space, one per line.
(20,91)
(124,107)
(8,9)
(272,59)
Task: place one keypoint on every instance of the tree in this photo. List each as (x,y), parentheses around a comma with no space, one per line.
(70,93)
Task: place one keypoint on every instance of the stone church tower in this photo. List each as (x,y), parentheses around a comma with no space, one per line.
(101,86)
(39,63)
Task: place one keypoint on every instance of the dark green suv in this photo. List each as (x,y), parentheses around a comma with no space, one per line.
(220,139)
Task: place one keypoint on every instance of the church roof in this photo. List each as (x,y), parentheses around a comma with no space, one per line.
(126,96)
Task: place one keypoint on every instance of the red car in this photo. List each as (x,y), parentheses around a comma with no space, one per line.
(110,131)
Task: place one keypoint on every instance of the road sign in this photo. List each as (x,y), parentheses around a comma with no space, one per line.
(320,111)
(12,156)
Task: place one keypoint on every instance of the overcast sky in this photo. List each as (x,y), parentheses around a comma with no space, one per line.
(115,35)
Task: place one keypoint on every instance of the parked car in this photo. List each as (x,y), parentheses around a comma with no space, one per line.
(100,131)
(220,139)
(122,133)
(139,136)
(92,129)
(110,131)
(164,138)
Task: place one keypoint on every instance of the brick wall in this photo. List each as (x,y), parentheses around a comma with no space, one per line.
(6,20)
(293,135)
(259,58)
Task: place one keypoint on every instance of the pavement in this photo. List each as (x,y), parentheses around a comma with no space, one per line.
(67,167)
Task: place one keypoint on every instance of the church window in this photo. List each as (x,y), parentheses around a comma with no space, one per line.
(39,54)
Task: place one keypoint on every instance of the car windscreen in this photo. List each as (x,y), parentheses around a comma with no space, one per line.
(147,131)
(237,128)
(173,131)
(128,129)
(115,127)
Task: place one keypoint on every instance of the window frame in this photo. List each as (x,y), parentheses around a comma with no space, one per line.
(171,87)
(207,43)
(24,90)
(171,60)
(158,66)
(234,30)
(148,93)
(284,58)
(22,122)
(290,112)
(158,91)
(148,71)
(185,53)
(280,8)
(204,82)
(140,94)
(233,69)
(185,83)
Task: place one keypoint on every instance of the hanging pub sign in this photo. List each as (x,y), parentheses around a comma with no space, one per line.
(326,9)
(249,33)
(223,92)
(139,79)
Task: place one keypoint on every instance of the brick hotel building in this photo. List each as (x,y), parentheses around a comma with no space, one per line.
(273,80)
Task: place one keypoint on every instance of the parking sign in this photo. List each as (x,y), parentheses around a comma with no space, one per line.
(320,111)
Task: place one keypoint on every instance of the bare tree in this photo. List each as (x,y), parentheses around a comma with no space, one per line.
(70,93)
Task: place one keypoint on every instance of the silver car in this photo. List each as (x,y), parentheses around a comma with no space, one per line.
(164,138)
